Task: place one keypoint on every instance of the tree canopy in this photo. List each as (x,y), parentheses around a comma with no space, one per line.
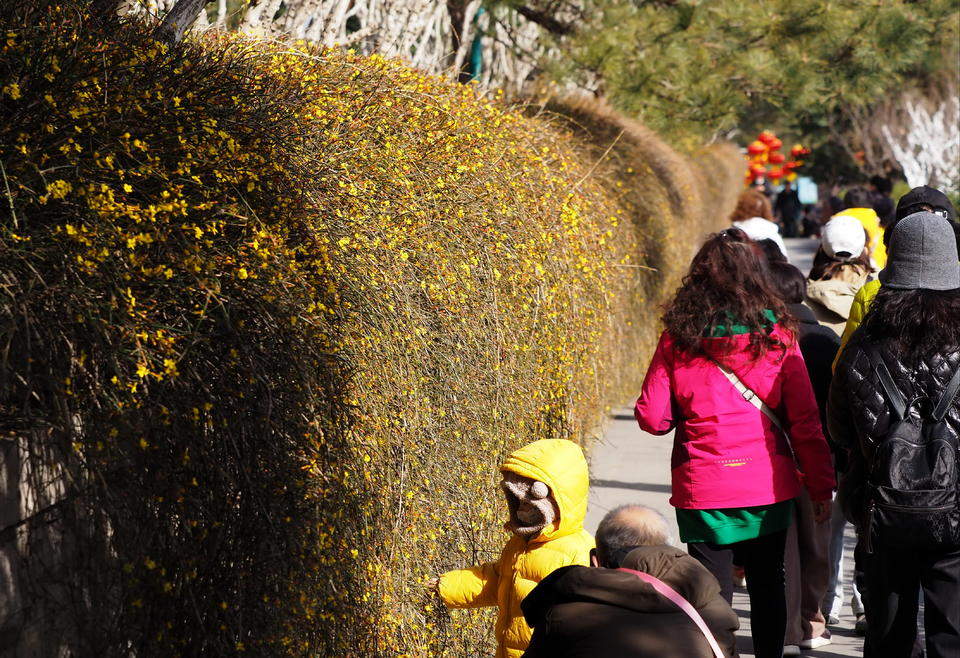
(692,70)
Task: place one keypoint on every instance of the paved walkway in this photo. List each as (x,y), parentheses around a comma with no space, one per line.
(630,466)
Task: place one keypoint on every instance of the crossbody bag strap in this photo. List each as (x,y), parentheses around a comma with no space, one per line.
(894,396)
(948,396)
(665,590)
(750,396)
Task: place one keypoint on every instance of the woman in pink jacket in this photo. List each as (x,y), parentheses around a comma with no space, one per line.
(735,474)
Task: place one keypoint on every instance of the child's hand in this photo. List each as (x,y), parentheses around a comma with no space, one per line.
(433,584)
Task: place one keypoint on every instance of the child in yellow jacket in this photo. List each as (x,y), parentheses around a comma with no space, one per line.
(546,485)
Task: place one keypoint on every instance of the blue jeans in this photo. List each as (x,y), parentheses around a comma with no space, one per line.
(833,601)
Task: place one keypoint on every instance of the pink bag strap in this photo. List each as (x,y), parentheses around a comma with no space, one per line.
(667,591)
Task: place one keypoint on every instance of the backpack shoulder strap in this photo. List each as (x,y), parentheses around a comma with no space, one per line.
(894,396)
(665,590)
(948,397)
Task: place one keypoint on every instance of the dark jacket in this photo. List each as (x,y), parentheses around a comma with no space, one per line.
(583,612)
(819,345)
(858,413)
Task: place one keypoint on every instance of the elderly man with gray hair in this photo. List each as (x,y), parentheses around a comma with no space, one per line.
(642,597)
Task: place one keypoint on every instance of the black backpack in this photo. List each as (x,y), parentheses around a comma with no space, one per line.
(913,492)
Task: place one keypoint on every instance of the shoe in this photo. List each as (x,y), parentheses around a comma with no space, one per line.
(739,577)
(791,650)
(833,620)
(815,642)
(860,628)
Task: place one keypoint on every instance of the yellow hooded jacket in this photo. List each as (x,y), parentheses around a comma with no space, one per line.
(559,464)
(858,311)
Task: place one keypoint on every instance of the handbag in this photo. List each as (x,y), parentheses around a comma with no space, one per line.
(665,590)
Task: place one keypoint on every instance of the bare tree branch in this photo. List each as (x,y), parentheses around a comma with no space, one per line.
(545,20)
(105,10)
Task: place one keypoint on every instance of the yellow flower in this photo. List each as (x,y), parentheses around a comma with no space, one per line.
(12,90)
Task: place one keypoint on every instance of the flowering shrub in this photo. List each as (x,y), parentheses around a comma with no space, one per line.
(272,316)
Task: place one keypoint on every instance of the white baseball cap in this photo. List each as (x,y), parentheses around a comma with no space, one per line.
(843,237)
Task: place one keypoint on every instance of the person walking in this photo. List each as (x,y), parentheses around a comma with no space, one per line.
(841,267)
(788,209)
(880,188)
(858,203)
(922,198)
(807,561)
(754,216)
(727,357)
(894,405)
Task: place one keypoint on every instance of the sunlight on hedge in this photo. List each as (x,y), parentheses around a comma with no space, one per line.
(274,315)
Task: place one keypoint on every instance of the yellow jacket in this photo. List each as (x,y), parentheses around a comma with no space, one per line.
(871,222)
(858,310)
(561,466)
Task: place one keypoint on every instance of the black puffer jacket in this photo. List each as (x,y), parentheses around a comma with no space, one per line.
(858,414)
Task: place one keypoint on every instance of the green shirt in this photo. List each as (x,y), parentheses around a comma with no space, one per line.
(727,526)
(732,329)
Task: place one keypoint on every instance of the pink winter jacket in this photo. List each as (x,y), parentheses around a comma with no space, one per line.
(726,453)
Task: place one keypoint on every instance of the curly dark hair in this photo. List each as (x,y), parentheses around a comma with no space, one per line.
(728,282)
(917,323)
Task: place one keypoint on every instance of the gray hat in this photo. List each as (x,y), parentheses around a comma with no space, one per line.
(923,254)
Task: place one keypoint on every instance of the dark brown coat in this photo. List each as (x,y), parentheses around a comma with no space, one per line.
(583,612)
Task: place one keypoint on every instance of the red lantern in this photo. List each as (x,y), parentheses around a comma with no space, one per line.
(775,144)
(767,138)
(798,151)
(777,158)
(790,166)
(756,148)
(757,169)
(776,173)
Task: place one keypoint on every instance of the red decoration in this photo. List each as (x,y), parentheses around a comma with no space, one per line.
(764,159)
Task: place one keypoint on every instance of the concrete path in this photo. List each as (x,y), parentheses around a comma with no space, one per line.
(801,251)
(630,466)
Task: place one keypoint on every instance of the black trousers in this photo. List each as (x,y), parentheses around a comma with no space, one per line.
(893,581)
(762,561)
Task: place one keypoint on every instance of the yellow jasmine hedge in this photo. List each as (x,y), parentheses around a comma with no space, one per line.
(271,316)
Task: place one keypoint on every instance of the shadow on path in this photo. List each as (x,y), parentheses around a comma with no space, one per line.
(636,486)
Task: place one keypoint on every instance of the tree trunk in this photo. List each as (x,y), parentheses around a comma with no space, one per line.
(179,19)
